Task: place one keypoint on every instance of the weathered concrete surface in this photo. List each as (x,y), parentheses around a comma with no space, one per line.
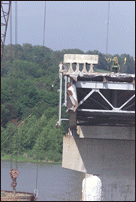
(97,156)
(108,132)
(118,187)
(113,160)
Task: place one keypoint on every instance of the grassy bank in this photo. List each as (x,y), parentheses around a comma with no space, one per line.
(23,159)
(101,70)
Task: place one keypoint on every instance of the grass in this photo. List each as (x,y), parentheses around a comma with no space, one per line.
(23,159)
(101,70)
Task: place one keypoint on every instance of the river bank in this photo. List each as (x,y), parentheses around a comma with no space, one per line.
(24,159)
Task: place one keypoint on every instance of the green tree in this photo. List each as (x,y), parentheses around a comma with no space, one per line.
(49,141)
(7,138)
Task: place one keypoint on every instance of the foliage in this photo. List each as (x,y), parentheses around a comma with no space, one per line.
(29,93)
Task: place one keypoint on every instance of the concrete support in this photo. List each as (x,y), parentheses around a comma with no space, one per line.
(91,188)
(113,160)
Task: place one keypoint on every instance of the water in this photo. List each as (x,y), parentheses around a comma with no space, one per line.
(59,184)
(54,182)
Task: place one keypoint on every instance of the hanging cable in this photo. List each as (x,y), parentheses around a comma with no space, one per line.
(14,172)
(16,57)
(44,24)
(37,176)
(11,33)
(44,39)
(11,156)
(15,22)
(44,31)
(36,190)
(107,28)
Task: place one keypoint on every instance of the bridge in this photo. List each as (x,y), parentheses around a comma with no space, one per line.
(101,136)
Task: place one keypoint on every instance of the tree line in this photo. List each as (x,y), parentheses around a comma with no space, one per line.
(30,98)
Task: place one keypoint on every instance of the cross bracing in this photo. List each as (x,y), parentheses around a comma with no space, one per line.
(97,98)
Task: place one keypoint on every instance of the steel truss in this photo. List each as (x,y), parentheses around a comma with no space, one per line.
(110,103)
(5,10)
(98,98)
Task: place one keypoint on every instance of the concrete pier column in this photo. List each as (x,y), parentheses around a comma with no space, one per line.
(91,188)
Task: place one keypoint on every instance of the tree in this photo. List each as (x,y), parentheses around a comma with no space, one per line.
(49,141)
(28,73)
(7,138)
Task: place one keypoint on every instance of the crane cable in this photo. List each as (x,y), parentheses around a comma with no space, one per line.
(11,32)
(36,190)
(11,157)
(13,171)
(107,28)
(16,139)
(16,57)
(44,24)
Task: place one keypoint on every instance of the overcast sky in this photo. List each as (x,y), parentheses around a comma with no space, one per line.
(77,24)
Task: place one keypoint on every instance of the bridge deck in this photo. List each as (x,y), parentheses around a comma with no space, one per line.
(104,98)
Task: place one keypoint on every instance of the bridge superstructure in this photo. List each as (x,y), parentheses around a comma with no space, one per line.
(96,98)
(101,109)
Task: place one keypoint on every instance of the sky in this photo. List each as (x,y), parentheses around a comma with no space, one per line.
(76,24)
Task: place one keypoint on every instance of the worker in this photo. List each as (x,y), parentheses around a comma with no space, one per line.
(115,66)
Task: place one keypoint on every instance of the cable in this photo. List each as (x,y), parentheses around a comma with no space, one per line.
(15,22)
(44,31)
(11,157)
(42,100)
(44,24)
(11,33)
(107,28)
(16,57)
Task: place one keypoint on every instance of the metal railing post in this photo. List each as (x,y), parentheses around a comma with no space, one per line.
(60,100)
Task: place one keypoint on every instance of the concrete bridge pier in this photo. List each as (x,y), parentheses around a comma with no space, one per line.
(107,157)
(91,188)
